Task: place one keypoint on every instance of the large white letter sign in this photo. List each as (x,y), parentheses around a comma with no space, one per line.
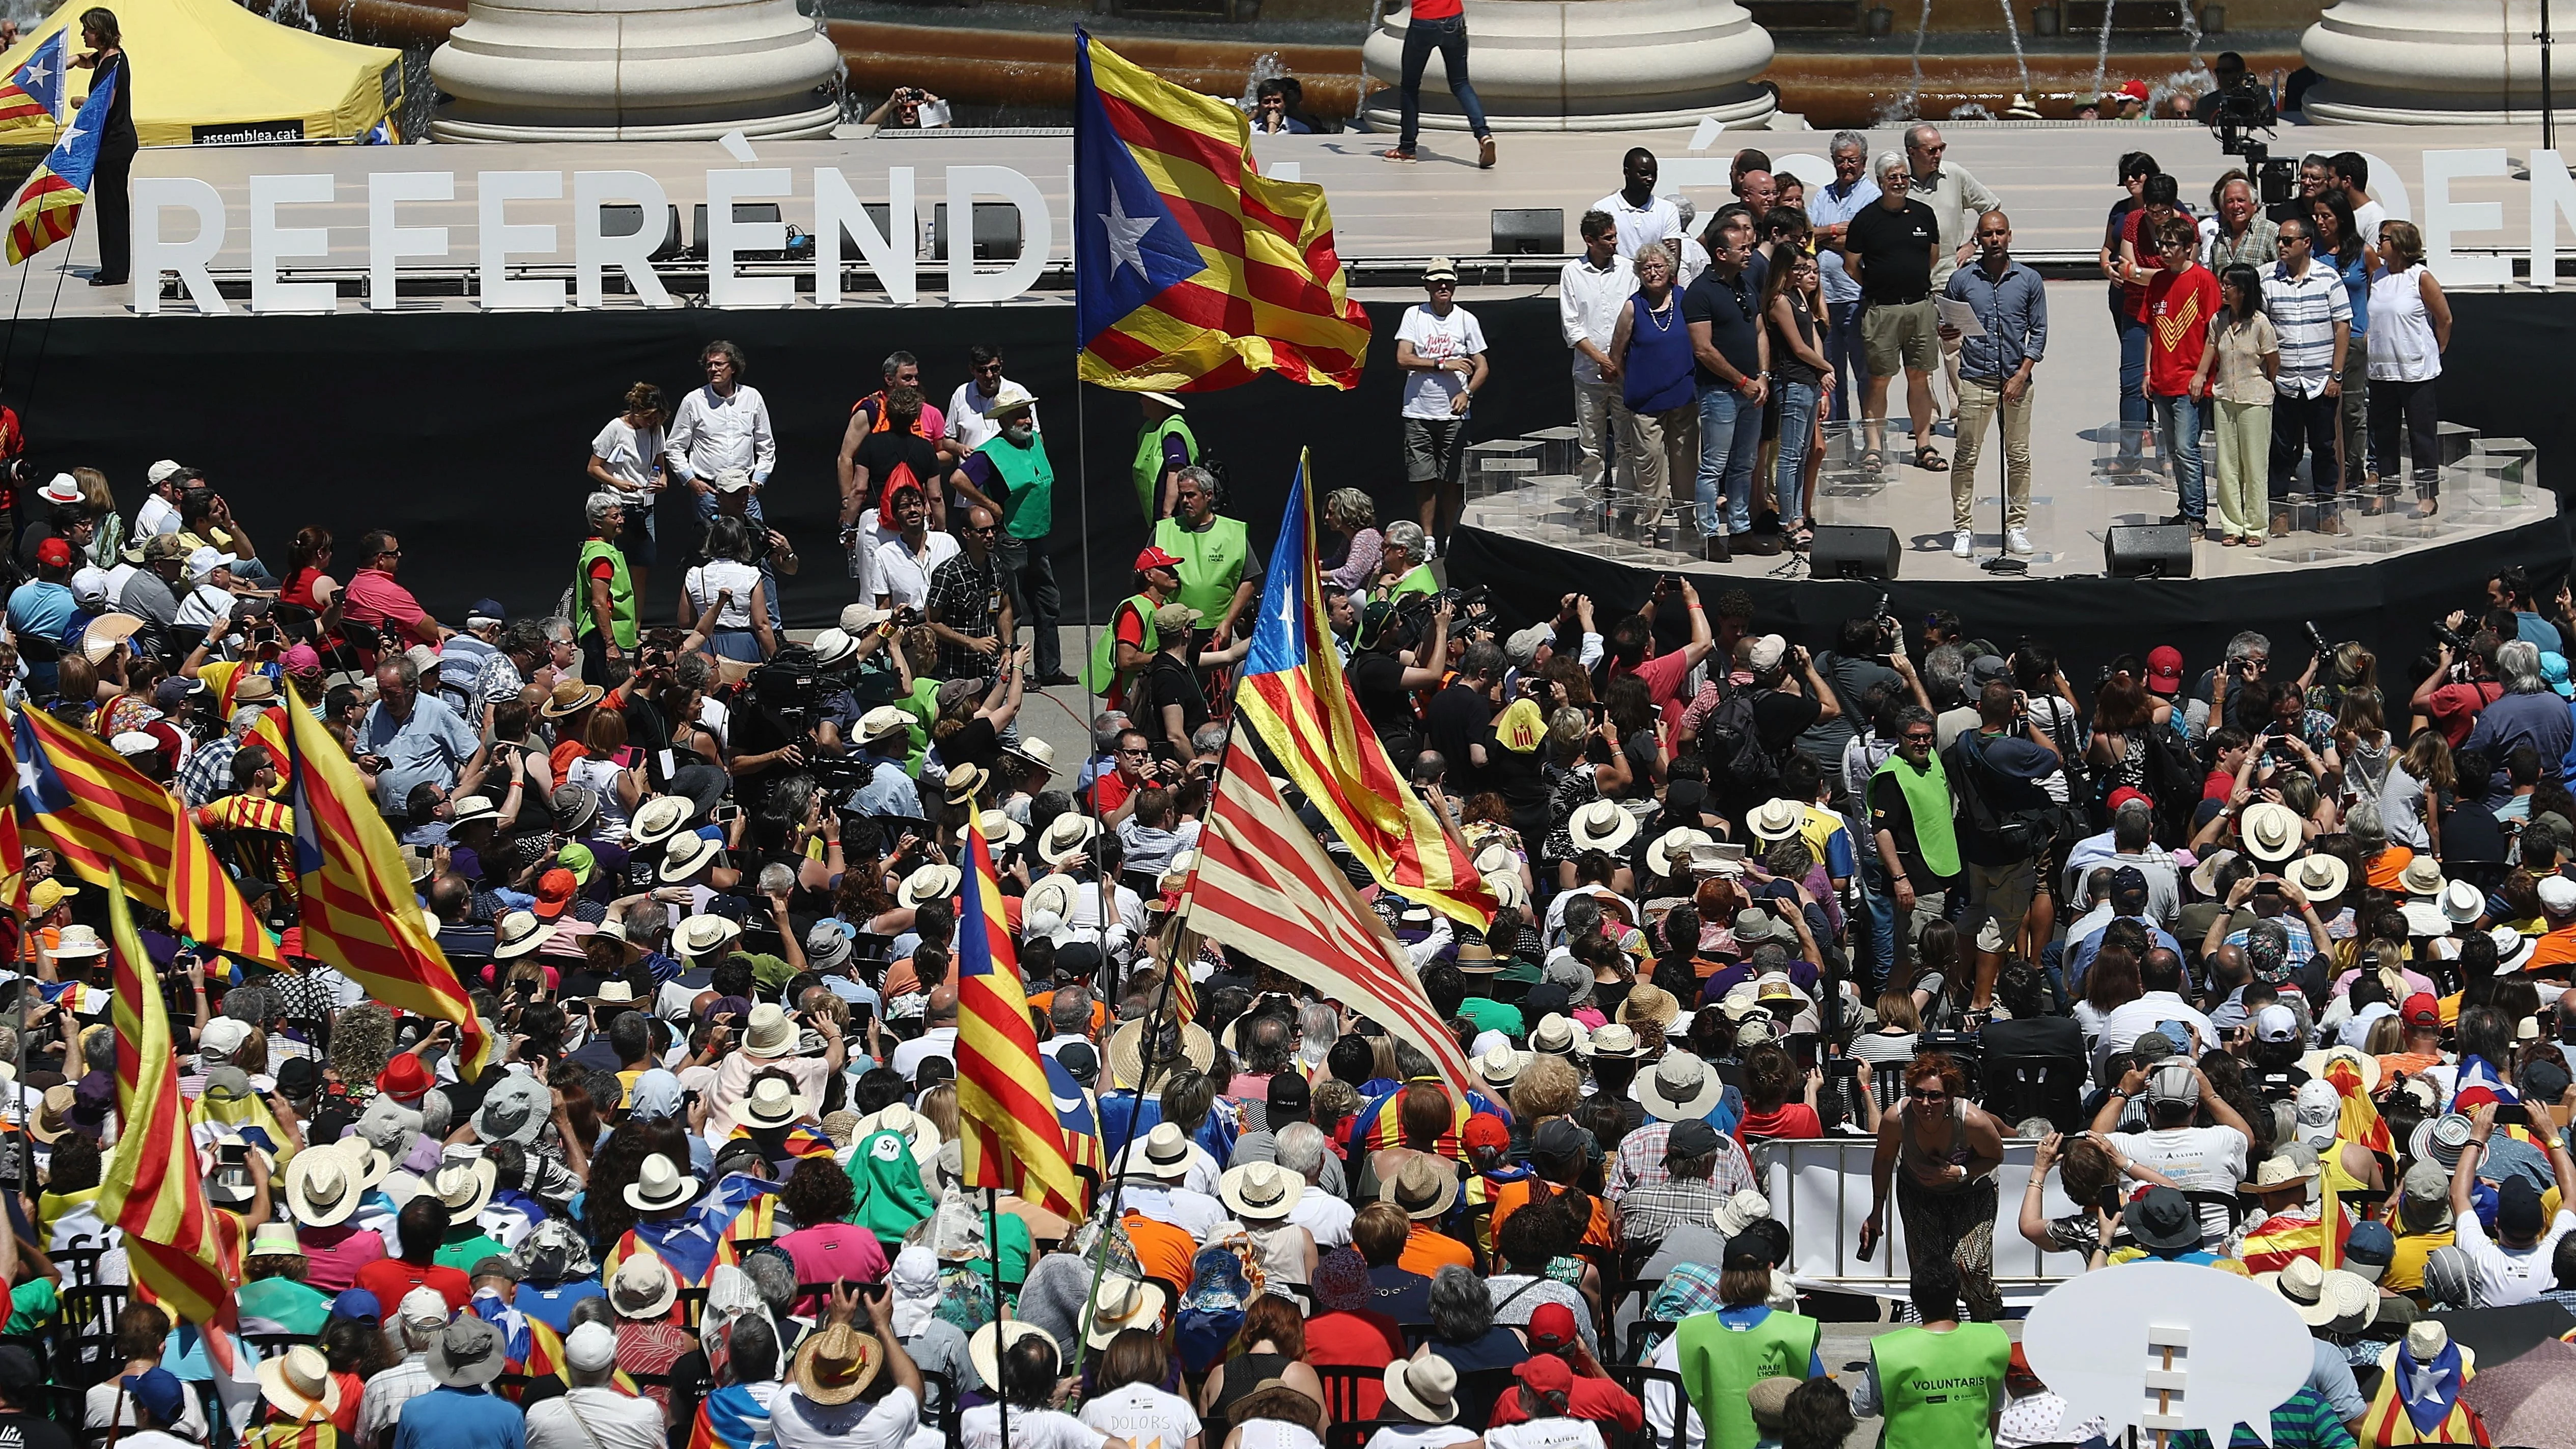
(633,255)
(838,213)
(727,238)
(2553,195)
(1037,234)
(269,241)
(387,243)
(2444,218)
(494,190)
(154,256)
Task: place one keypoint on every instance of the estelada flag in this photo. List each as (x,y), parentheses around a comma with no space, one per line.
(49,205)
(33,94)
(1192,270)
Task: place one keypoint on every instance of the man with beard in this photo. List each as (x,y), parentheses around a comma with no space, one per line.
(1012,468)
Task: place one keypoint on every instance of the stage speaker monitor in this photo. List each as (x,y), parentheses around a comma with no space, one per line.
(2147,551)
(1844,552)
(1535,231)
(625,218)
(744,212)
(997,231)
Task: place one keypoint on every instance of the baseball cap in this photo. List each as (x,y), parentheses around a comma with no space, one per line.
(2368,1250)
(1693,1138)
(591,1347)
(2557,892)
(2276,1023)
(2135,90)
(1289,1091)
(2123,796)
(1483,1130)
(1551,1327)
(2173,1082)
(554,892)
(2164,669)
(1558,1139)
(1766,652)
(359,1304)
(157,1390)
(1155,558)
(2518,1211)
(1174,617)
(2421,1010)
(54,553)
(2129,885)
(486,611)
(1545,1373)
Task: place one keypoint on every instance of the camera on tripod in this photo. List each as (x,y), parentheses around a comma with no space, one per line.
(2235,109)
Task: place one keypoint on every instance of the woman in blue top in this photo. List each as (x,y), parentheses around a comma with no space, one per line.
(2339,238)
(1658,411)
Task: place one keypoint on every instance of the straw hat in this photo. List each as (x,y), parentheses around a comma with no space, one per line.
(883,722)
(928,883)
(1617,1041)
(704,935)
(1601,825)
(1776,819)
(2279,1172)
(1000,830)
(1424,1188)
(769,1034)
(2303,1283)
(571,697)
(683,857)
(2271,832)
(660,818)
(1496,855)
(984,1350)
(2319,877)
(1426,1389)
(1509,893)
(1501,1067)
(79,941)
(642,1287)
(1650,1004)
(322,1188)
(1051,894)
(1127,1052)
(2422,877)
(918,1132)
(2315,1064)
(1261,1192)
(837,1365)
(466,1187)
(773,1103)
(2204,872)
(1034,750)
(964,783)
(298,1384)
(1671,850)
(1123,1304)
(658,1185)
(1065,837)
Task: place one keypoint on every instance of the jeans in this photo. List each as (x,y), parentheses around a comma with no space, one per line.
(1028,578)
(1730,438)
(1798,402)
(2244,443)
(1979,401)
(2306,425)
(1850,360)
(2410,404)
(2134,410)
(2178,432)
(1878,903)
(1449,37)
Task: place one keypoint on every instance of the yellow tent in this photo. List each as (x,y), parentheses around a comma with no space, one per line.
(208,72)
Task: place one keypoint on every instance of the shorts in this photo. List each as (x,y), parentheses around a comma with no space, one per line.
(636,541)
(1901,337)
(2001,894)
(1432,449)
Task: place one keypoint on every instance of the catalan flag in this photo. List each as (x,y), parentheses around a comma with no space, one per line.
(355,896)
(49,205)
(33,94)
(1294,697)
(13,854)
(108,822)
(1192,270)
(1006,1116)
(179,1252)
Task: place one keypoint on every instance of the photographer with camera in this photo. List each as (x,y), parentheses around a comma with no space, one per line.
(909,108)
(1868,654)
(2463,682)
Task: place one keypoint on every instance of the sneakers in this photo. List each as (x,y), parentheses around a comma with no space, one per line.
(1962,544)
(2018,542)
(1485,153)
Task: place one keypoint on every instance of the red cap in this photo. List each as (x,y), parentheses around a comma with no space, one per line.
(54,553)
(2422,1010)
(2136,88)
(554,892)
(2124,795)
(1545,1373)
(405,1080)
(1551,1327)
(1154,558)
(2164,669)
(1486,1130)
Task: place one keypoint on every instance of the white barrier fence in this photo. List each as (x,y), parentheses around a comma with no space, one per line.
(1820,1191)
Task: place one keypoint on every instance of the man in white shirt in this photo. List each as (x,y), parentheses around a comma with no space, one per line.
(2160,971)
(827,1403)
(940,1040)
(1323,1211)
(160,510)
(2196,1159)
(724,424)
(592,1414)
(1183,1177)
(1441,348)
(1831,207)
(903,567)
(2352,173)
(2517,1264)
(970,421)
(1643,218)
(1590,293)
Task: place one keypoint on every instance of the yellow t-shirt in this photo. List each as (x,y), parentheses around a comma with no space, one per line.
(2406,1265)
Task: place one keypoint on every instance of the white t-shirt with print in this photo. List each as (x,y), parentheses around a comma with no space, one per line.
(2506,1278)
(1144,1416)
(1555,1433)
(1437,339)
(981,1428)
(2198,1159)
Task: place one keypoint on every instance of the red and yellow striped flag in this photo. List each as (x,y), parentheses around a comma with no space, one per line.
(356,898)
(108,821)
(1192,270)
(181,1255)
(1006,1118)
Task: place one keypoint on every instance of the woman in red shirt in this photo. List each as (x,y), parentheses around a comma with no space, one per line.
(308,559)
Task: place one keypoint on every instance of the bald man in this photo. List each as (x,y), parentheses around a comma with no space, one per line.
(941,1038)
(1994,374)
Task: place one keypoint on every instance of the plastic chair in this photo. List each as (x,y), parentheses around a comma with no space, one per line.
(2015,1088)
(1644,1335)
(1348,1433)
(1344,1386)
(1479,1390)
(1635,1377)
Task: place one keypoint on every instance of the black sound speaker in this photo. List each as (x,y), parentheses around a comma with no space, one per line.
(1529,231)
(1843,552)
(2147,551)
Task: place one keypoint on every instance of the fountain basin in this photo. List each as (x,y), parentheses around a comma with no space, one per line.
(2427,62)
(1590,65)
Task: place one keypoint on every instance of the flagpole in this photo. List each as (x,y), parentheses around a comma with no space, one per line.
(1001,1345)
(1149,1035)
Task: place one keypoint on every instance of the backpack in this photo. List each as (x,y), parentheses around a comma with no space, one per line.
(2025,830)
(1739,761)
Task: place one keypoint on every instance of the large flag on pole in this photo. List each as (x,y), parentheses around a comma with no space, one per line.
(1266,888)
(1294,696)
(110,823)
(33,94)
(1192,270)
(49,205)
(1012,1132)
(358,910)
(179,1252)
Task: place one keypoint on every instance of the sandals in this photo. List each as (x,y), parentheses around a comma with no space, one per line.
(1928,460)
(1874,461)
(1801,539)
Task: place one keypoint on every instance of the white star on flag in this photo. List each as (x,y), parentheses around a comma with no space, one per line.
(35,72)
(1125,234)
(72,133)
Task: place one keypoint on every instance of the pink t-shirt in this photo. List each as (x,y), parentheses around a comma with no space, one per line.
(374,598)
(334,1255)
(835,1252)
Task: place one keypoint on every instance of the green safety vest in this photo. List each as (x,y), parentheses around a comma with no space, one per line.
(1417,582)
(1103,678)
(923,705)
(1149,461)
(621,594)
(1211,562)
(1028,507)
(1938,1390)
(1719,1364)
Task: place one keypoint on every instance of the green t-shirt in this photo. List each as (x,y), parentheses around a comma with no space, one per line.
(294,1307)
(1521,968)
(463,1253)
(1491,1015)
(32,1304)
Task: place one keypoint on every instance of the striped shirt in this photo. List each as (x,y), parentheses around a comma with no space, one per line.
(2305,1421)
(2304,310)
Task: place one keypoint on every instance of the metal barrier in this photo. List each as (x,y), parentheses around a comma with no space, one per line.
(1820,1191)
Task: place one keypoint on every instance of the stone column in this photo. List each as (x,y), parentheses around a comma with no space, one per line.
(1592,65)
(633,70)
(2431,62)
